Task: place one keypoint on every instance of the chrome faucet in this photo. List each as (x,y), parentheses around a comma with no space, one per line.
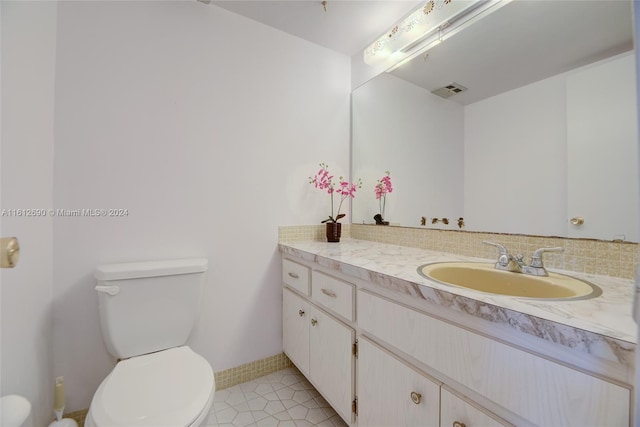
(508,262)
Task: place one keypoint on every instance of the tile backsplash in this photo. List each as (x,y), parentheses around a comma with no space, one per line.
(293,233)
(617,259)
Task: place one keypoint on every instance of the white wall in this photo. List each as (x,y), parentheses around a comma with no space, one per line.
(26,165)
(205,126)
(419,138)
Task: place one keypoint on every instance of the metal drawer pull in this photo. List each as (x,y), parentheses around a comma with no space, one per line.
(294,275)
(301,312)
(314,322)
(416,397)
(458,424)
(329,293)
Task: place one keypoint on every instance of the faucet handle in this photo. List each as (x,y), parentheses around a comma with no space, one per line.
(503,258)
(536,258)
(502,249)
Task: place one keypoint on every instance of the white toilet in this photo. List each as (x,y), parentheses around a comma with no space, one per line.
(147,311)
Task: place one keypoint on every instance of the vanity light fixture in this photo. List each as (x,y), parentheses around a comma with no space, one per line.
(426,26)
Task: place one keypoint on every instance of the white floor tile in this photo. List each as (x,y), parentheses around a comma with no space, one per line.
(288,403)
(219,406)
(301,396)
(263,389)
(226,415)
(280,399)
(283,416)
(250,395)
(285,393)
(258,403)
(268,422)
(242,407)
(316,415)
(311,404)
(243,419)
(249,386)
(221,395)
(271,396)
(298,412)
(274,407)
(235,398)
(259,415)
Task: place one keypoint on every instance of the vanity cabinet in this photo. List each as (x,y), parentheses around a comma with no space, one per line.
(538,390)
(411,367)
(319,344)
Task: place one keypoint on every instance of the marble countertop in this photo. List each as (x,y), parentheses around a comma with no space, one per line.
(597,325)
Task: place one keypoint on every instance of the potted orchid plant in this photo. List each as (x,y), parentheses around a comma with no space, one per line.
(382,188)
(323,180)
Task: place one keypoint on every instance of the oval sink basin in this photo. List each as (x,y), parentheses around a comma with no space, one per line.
(485,278)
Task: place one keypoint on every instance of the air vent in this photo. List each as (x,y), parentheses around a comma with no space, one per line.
(449,90)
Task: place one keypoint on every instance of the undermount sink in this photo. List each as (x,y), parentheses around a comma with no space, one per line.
(485,278)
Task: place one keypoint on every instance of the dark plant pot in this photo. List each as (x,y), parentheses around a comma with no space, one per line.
(379,220)
(334,229)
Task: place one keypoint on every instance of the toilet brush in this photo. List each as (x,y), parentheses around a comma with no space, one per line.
(58,406)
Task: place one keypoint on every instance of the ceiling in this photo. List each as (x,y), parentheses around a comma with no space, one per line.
(347,26)
(523,42)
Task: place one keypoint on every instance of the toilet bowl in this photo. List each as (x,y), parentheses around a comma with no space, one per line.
(147,312)
(14,411)
(172,387)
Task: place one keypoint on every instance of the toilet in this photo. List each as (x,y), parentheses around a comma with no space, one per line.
(147,311)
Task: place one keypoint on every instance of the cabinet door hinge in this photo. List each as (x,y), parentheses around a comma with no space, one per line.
(354,348)
(354,406)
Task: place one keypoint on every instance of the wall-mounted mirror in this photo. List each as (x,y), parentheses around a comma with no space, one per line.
(543,131)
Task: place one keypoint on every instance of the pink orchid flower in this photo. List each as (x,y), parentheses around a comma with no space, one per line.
(324,181)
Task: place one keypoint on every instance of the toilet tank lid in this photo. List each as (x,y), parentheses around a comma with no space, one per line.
(135,270)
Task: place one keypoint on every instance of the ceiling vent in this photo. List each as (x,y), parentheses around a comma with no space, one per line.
(449,90)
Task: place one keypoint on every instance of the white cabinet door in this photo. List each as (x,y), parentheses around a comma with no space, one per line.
(295,329)
(392,394)
(458,413)
(331,361)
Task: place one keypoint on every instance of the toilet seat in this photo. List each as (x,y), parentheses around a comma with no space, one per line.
(172,387)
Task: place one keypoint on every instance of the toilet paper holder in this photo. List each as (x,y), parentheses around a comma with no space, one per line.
(9,252)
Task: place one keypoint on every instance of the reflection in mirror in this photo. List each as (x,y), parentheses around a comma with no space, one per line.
(545,132)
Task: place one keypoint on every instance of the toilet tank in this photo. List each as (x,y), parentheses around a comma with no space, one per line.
(148,306)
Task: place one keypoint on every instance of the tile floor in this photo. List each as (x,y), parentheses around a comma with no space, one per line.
(281,399)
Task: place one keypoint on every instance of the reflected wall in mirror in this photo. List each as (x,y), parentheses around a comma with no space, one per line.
(547,130)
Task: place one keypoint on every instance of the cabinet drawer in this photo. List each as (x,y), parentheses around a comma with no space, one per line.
(296,276)
(539,390)
(333,293)
(458,412)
